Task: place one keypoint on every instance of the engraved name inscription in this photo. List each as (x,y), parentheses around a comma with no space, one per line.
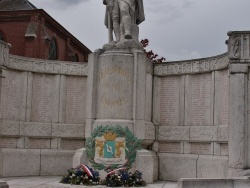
(169,100)
(76,99)
(172,147)
(42,99)
(201,148)
(224,97)
(35,143)
(13,92)
(8,142)
(201,99)
(71,144)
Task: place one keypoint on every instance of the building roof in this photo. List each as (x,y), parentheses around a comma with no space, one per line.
(8,5)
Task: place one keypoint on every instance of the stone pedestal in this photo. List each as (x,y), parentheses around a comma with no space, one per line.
(117,92)
(211,183)
(80,157)
(120,93)
(239,142)
(147,162)
(238,119)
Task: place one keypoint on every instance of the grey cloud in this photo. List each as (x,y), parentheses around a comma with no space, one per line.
(58,4)
(66,3)
(168,10)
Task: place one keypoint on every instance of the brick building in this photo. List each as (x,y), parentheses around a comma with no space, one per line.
(34,33)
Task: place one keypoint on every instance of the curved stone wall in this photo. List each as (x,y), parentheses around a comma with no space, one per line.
(43,107)
(191,106)
(199,109)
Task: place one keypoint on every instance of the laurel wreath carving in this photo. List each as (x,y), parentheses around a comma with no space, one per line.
(132,144)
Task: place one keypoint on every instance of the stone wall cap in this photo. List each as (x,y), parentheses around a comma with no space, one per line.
(230,33)
(191,60)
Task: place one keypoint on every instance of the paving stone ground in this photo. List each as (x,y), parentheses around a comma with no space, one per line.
(52,182)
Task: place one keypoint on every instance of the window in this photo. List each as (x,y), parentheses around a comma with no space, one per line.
(1,36)
(53,49)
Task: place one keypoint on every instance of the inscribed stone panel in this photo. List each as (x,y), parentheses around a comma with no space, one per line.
(203,133)
(224,105)
(71,144)
(8,142)
(68,130)
(35,129)
(148,102)
(156,100)
(10,128)
(170,147)
(224,97)
(115,86)
(150,131)
(14,95)
(221,110)
(223,133)
(224,149)
(170,101)
(37,143)
(212,167)
(173,133)
(44,98)
(202,148)
(201,99)
(76,90)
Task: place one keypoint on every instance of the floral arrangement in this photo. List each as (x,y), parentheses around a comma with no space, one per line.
(150,54)
(115,178)
(81,175)
(123,178)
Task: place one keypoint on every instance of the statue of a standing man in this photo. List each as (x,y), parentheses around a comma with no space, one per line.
(121,15)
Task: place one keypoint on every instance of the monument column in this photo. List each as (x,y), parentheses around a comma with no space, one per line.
(119,97)
(4,60)
(117,89)
(239,57)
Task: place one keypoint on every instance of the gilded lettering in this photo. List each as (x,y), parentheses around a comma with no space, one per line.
(117,70)
(118,86)
(114,103)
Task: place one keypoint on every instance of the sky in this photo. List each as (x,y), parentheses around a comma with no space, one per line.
(176,29)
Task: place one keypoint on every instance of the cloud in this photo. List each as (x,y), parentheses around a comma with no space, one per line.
(58,4)
(67,3)
(168,10)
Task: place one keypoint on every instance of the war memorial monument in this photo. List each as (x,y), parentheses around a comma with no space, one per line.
(192,116)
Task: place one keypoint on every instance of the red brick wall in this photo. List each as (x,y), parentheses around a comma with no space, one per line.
(36,47)
(14,32)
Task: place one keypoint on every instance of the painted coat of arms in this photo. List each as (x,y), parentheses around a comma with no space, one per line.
(112,146)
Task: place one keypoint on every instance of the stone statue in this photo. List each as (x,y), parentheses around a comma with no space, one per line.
(123,17)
